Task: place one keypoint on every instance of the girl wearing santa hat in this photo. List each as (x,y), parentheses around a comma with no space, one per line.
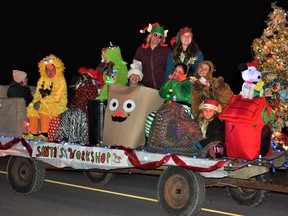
(212,128)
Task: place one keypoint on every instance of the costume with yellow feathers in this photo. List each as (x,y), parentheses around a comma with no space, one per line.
(51,92)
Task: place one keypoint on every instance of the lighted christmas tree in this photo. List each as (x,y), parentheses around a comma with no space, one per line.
(271,50)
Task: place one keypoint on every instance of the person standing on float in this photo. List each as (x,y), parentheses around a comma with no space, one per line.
(153,56)
(184,50)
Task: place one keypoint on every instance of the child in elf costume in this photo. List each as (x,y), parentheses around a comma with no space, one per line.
(115,69)
(50,98)
(177,89)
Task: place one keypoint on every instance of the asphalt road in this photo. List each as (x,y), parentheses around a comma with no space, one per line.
(70,193)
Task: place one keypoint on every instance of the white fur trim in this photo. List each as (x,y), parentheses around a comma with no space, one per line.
(165,33)
(210,106)
(135,71)
(149,27)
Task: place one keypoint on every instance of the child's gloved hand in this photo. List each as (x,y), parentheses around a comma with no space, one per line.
(36,105)
(171,77)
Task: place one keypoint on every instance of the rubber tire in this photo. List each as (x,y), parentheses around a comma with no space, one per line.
(248,196)
(99,178)
(25,175)
(181,191)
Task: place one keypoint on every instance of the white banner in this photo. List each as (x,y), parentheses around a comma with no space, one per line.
(80,157)
(85,157)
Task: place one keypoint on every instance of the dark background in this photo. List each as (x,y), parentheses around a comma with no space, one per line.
(76,31)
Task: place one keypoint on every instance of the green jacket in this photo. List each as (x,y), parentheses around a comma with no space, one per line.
(177,91)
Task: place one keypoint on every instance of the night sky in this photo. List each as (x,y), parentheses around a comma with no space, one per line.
(76,31)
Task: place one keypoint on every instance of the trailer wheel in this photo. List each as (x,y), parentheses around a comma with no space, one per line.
(100,178)
(250,197)
(25,175)
(181,191)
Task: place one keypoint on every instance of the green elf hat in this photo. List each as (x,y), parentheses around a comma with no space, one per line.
(155,28)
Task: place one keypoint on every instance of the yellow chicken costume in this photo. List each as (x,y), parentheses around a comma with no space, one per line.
(50,98)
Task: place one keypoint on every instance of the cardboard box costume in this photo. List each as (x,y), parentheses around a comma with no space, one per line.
(126,112)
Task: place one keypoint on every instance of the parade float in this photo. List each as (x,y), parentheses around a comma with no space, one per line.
(182,179)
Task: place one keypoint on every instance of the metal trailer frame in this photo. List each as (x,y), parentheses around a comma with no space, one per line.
(180,191)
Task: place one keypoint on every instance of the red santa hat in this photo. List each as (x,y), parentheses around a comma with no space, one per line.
(211,104)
